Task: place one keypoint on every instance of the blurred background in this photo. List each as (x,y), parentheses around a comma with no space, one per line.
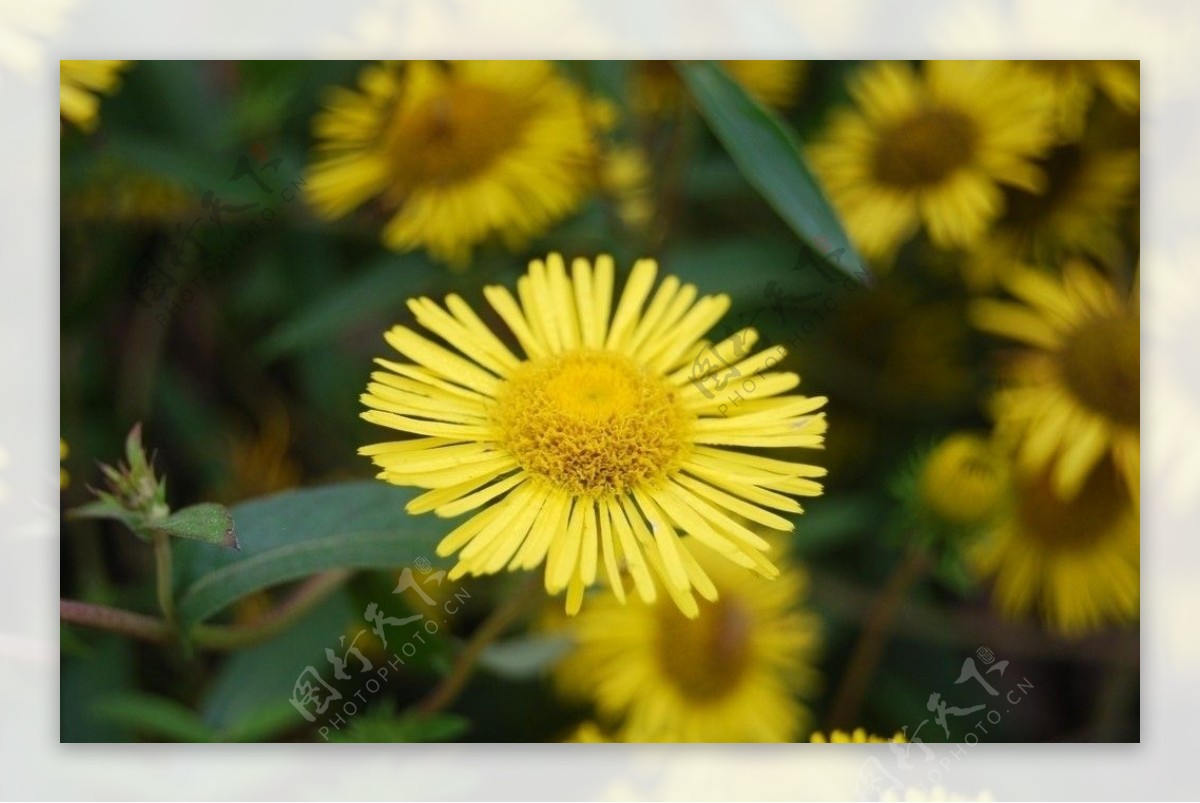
(207,296)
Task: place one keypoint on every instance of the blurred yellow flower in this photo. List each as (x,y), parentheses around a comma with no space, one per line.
(260,463)
(605,444)
(1079,214)
(1074,84)
(80,83)
(657,89)
(731,675)
(932,148)
(857,736)
(588,733)
(1074,394)
(1075,562)
(625,176)
(456,152)
(120,193)
(963,480)
(64,478)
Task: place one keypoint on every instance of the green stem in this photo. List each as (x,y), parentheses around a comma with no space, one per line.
(492,628)
(843,713)
(213,637)
(163,577)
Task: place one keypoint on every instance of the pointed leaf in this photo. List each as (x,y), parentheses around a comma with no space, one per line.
(768,152)
(208,522)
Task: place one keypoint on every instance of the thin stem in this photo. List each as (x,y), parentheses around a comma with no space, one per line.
(115,620)
(163,577)
(213,637)
(492,628)
(843,713)
(287,613)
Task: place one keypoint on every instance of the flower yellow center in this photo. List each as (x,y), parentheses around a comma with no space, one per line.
(1101,365)
(706,657)
(592,422)
(453,135)
(925,148)
(1078,523)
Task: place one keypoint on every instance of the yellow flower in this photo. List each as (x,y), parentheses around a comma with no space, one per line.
(606,444)
(625,176)
(1074,394)
(64,478)
(731,675)
(1074,84)
(117,193)
(657,89)
(79,83)
(1079,214)
(1073,561)
(932,148)
(456,152)
(858,736)
(588,733)
(962,480)
(261,463)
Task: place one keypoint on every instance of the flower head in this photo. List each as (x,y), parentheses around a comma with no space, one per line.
(932,148)
(613,442)
(731,675)
(456,152)
(1078,214)
(1074,562)
(962,480)
(857,736)
(1073,395)
(79,85)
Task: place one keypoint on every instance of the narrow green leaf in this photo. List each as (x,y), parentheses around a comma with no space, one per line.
(294,534)
(769,155)
(153,716)
(272,719)
(207,522)
(378,288)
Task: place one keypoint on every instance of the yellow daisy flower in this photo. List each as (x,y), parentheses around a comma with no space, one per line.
(932,148)
(1074,395)
(456,152)
(1074,84)
(1079,214)
(962,480)
(614,437)
(79,85)
(857,736)
(657,89)
(731,675)
(588,733)
(1075,562)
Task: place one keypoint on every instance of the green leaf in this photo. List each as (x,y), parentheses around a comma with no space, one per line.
(380,725)
(769,155)
(378,289)
(153,716)
(291,535)
(271,720)
(207,522)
